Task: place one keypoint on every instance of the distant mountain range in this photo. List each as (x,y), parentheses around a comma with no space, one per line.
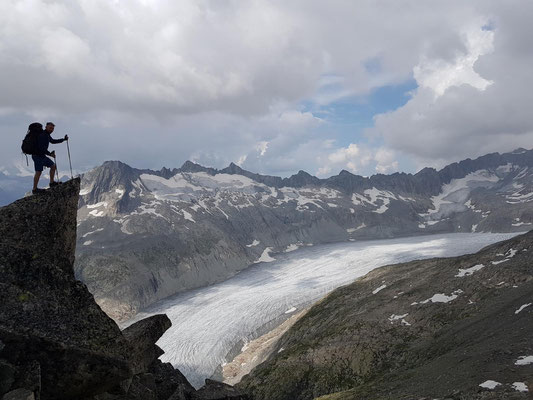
(144,235)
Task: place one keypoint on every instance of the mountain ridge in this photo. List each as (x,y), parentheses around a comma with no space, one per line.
(408,182)
(145,235)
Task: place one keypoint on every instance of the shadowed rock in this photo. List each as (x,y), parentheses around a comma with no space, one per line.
(213,390)
(55,341)
(46,316)
(142,335)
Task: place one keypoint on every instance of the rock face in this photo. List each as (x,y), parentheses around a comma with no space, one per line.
(456,328)
(55,341)
(145,235)
(44,310)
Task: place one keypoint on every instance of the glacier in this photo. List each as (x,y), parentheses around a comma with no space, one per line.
(208,323)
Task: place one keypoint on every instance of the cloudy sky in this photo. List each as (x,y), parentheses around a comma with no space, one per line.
(274,86)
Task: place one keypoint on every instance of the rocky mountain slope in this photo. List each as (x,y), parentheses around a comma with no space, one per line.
(55,341)
(144,235)
(454,328)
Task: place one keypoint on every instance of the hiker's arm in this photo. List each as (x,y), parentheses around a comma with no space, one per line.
(56,141)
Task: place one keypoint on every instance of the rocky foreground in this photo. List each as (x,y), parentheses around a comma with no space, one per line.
(55,341)
(454,328)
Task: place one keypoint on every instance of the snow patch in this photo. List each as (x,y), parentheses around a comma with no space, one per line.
(395,317)
(490,384)
(520,387)
(511,252)
(100,204)
(265,257)
(521,223)
(96,213)
(524,360)
(90,233)
(371,196)
(352,230)
(522,307)
(499,262)
(291,310)
(508,255)
(87,243)
(469,271)
(377,290)
(442,298)
(455,193)
(253,244)
(291,247)
(188,216)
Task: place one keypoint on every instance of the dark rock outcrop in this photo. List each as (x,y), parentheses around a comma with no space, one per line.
(55,341)
(428,329)
(142,335)
(46,316)
(216,390)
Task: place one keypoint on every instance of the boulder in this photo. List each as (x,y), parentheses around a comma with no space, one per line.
(213,390)
(142,336)
(169,380)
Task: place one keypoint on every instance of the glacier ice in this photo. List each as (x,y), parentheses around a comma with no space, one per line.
(209,322)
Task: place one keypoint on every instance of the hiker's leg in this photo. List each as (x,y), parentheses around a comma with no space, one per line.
(52,173)
(36,179)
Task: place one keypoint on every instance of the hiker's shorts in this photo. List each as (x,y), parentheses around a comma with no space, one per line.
(41,162)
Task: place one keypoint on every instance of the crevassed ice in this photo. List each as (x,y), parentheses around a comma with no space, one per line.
(208,322)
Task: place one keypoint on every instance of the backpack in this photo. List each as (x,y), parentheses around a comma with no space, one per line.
(29,144)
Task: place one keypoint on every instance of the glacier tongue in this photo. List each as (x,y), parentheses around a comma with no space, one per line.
(207,323)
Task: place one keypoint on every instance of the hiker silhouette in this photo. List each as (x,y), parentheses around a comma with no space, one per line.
(41,141)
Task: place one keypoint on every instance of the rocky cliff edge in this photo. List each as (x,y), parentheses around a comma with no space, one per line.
(55,341)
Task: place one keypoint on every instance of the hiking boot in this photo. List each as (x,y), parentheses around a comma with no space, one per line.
(37,191)
(52,184)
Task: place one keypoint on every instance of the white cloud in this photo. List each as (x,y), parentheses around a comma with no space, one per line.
(386,161)
(474,104)
(439,75)
(357,159)
(154,83)
(262,147)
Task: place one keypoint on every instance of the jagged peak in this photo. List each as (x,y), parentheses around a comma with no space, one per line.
(115,164)
(346,173)
(234,169)
(426,170)
(189,166)
(304,173)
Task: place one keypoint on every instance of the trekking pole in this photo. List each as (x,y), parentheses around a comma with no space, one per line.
(69,161)
(57,169)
